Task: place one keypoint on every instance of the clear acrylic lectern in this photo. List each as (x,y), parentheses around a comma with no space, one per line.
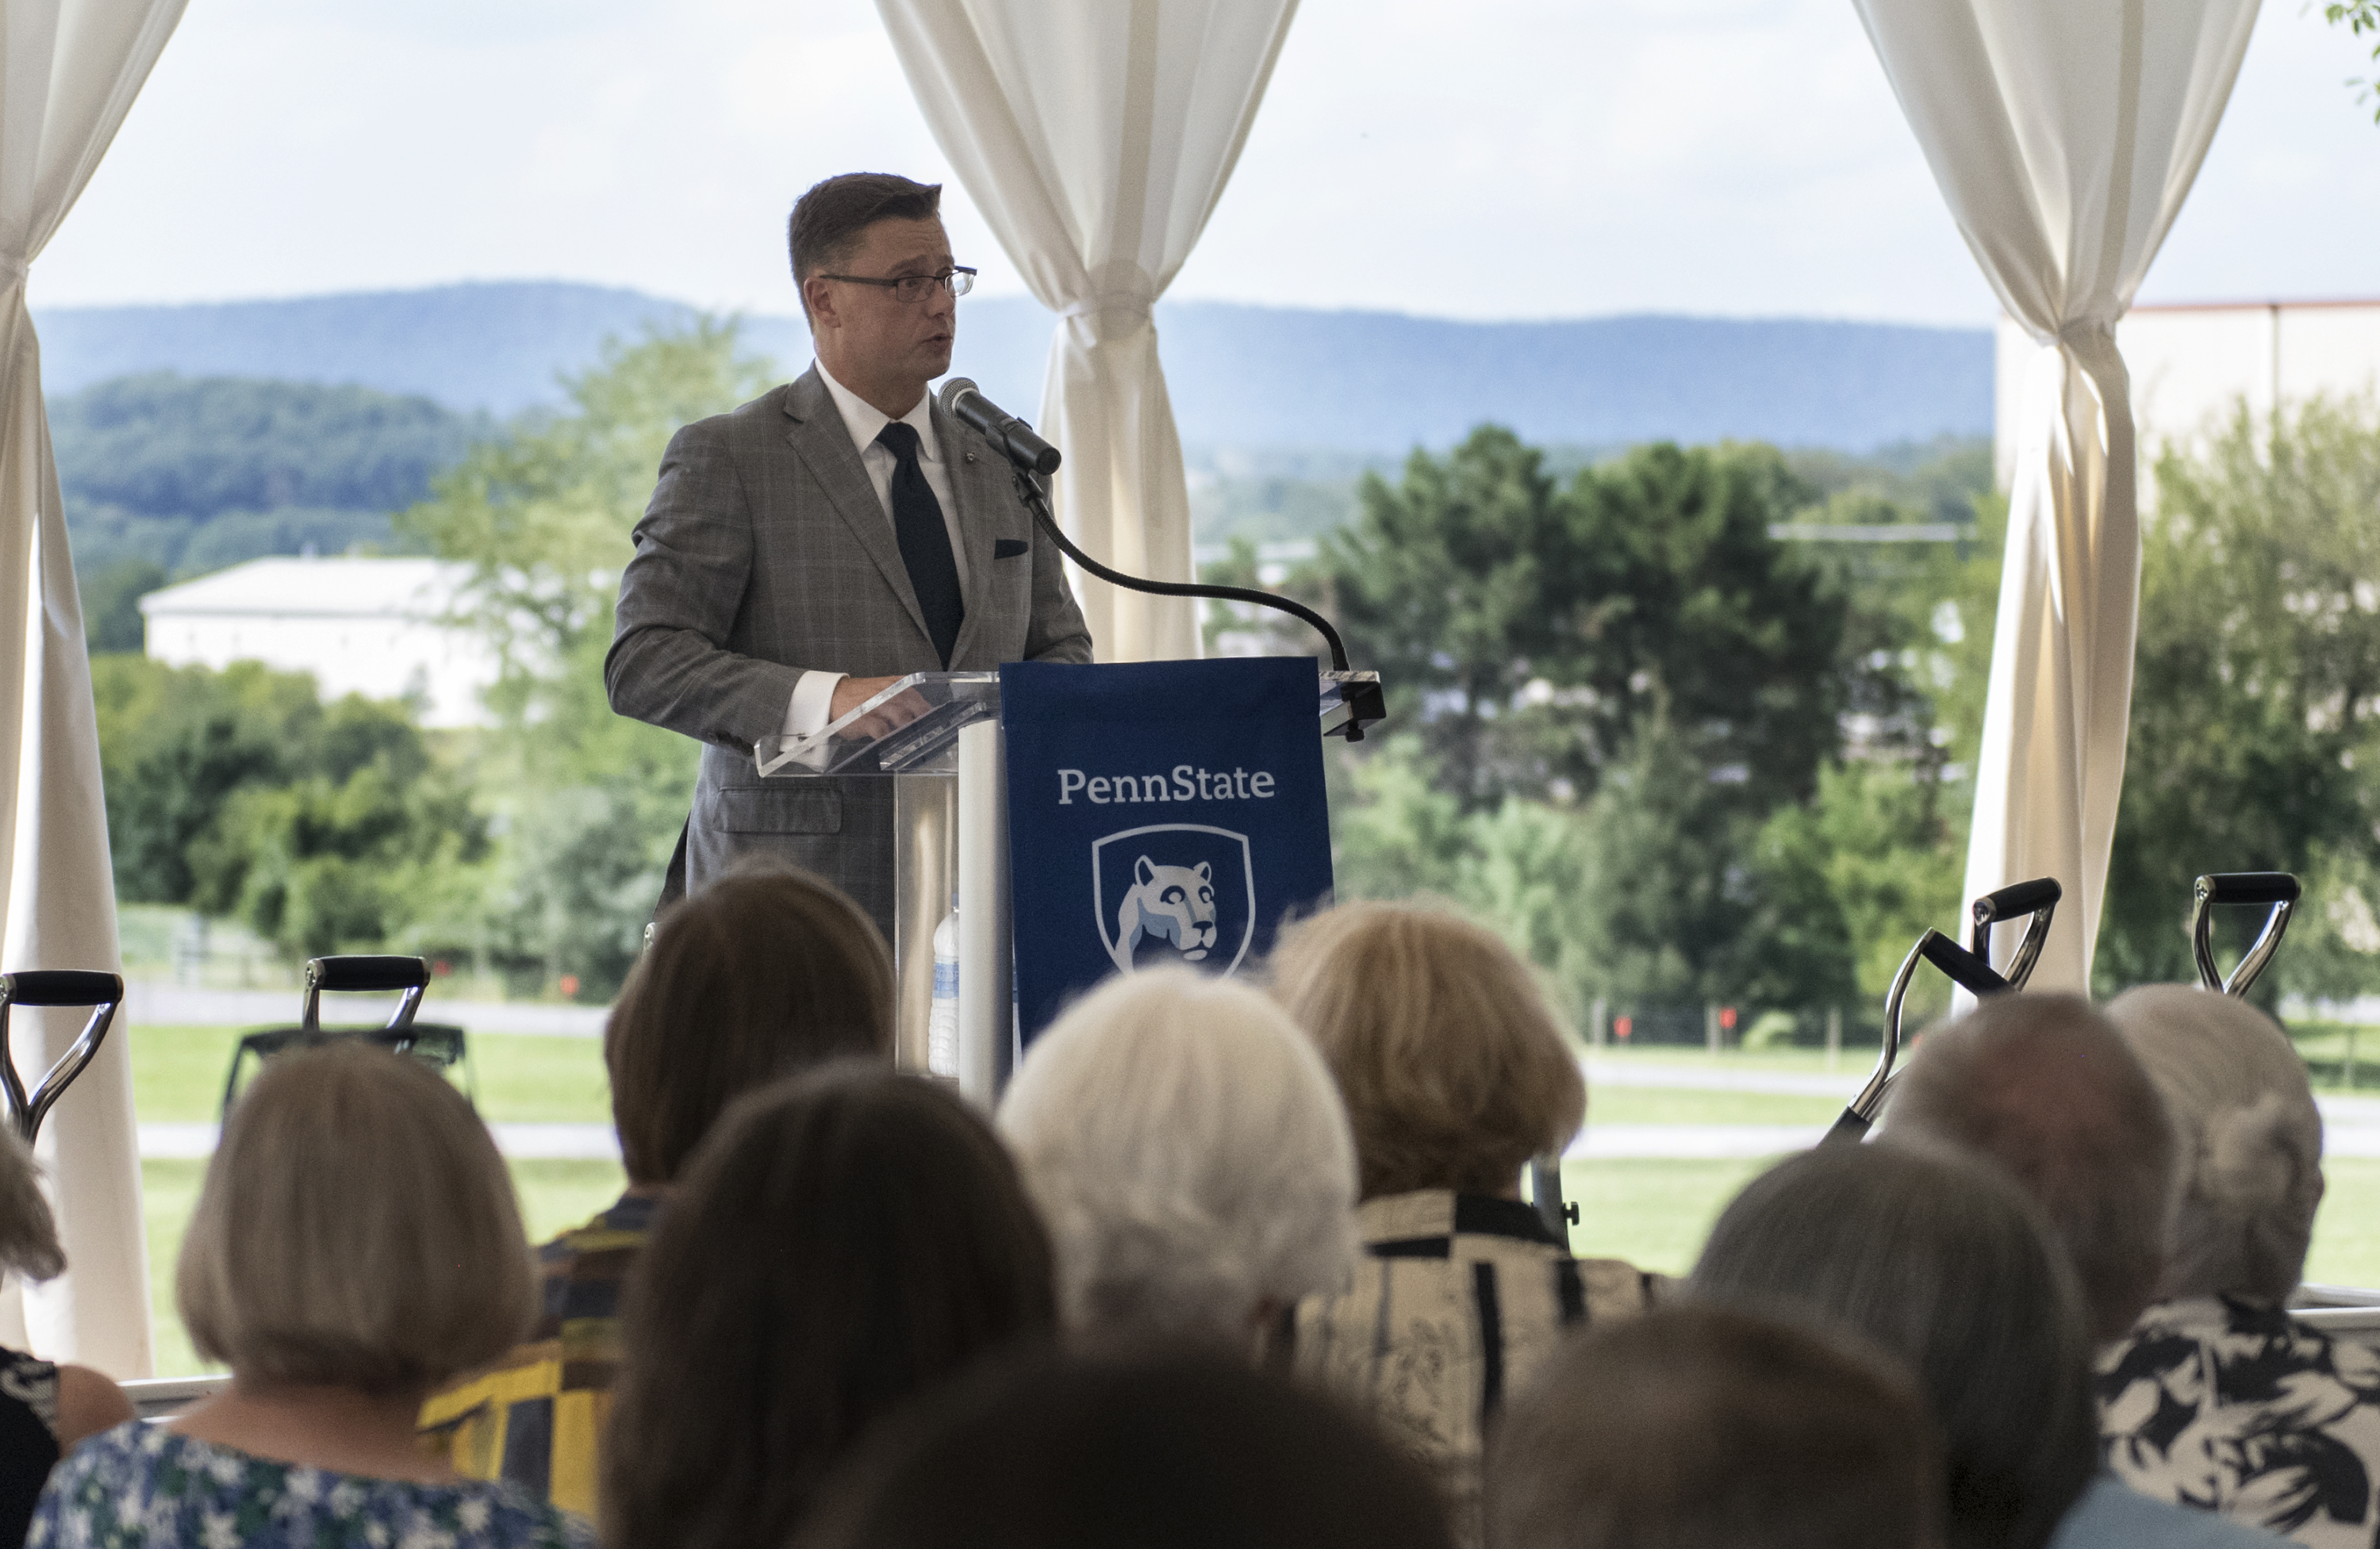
(937,737)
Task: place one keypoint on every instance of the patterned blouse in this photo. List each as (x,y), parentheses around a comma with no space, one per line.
(2241,1408)
(535,1417)
(141,1486)
(1461,1299)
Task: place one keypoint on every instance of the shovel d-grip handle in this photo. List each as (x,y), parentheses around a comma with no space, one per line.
(1965,969)
(2277,891)
(2038,899)
(362,973)
(53,986)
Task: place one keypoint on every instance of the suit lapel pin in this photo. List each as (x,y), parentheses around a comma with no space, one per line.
(970,456)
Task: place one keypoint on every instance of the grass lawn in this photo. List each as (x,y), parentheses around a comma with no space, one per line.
(177,1074)
(1656,1214)
(1652,1212)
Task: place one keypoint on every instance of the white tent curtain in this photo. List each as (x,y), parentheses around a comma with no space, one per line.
(69,70)
(1096,135)
(2065,135)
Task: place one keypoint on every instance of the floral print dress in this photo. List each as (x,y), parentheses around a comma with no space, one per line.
(142,1486)
(2238,1408)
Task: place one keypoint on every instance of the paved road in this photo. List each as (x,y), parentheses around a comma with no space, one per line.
(569,1142)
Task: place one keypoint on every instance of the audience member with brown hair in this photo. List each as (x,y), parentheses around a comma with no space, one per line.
(2218,1397)
(46,1408)
(355,1243)
(1455,1073)
(1184,1142)
(1156,1450)
(767,972)
(1700,1427)
(842,1244)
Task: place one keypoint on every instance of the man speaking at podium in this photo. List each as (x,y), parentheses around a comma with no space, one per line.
(806,550)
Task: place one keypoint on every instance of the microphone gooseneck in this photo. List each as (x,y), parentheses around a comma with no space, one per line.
(1028,455)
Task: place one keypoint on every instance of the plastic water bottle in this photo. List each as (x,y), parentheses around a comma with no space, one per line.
(942,1018)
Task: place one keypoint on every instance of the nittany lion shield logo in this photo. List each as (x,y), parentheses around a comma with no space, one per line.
(1174,892)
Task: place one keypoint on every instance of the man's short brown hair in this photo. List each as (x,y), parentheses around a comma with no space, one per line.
(827,221)
(1454,1069)
(760,975)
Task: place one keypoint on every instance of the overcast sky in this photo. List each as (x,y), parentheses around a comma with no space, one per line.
(1499,158)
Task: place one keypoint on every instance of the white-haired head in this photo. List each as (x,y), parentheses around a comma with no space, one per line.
(2248,1139)
(1189,1151)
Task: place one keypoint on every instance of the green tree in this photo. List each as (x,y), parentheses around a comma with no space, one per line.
(176,744)
(2255,679)
(110,604)
(326,827)
(351,855)
(2360,17)
(1454,583)
(1527,629)
(1695,607)
(591,802)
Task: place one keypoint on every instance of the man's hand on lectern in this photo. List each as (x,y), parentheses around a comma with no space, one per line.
(890,715)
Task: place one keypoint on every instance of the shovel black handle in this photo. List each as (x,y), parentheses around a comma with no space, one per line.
(2248,886)
(2017,899)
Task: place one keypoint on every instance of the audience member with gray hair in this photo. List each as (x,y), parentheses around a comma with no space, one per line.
(1700,1425)
(1187,1148)
(1941,1260)
(2043,1085)
(2220,1397)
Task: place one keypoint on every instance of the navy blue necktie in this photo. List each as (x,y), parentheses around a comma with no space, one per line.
(924,543)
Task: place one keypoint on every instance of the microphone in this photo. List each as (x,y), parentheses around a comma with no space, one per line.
(961,400)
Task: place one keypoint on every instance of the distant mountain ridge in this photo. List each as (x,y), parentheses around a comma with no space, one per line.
(1374,382)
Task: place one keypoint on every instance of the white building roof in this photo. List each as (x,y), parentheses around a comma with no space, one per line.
(340,587)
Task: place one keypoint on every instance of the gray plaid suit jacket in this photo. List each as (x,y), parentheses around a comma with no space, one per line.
(764,554)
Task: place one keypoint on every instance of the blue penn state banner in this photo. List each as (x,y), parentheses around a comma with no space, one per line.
(1159,812)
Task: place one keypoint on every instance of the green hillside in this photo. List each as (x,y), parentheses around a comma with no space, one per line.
(167,476)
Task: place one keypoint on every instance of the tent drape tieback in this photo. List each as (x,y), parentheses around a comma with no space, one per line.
(2064,139)
(1107,404)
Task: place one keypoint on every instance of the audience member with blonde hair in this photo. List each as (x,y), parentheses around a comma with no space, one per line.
(844,1243)
(1701,1426)
(2218,1397)
(765,972)
(45,1409)
(355,1243)
(1189,1153)
(1455,1073)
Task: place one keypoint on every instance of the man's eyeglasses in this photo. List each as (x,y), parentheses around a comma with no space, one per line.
(913,288)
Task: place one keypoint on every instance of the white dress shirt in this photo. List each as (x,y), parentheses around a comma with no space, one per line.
(806,714)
